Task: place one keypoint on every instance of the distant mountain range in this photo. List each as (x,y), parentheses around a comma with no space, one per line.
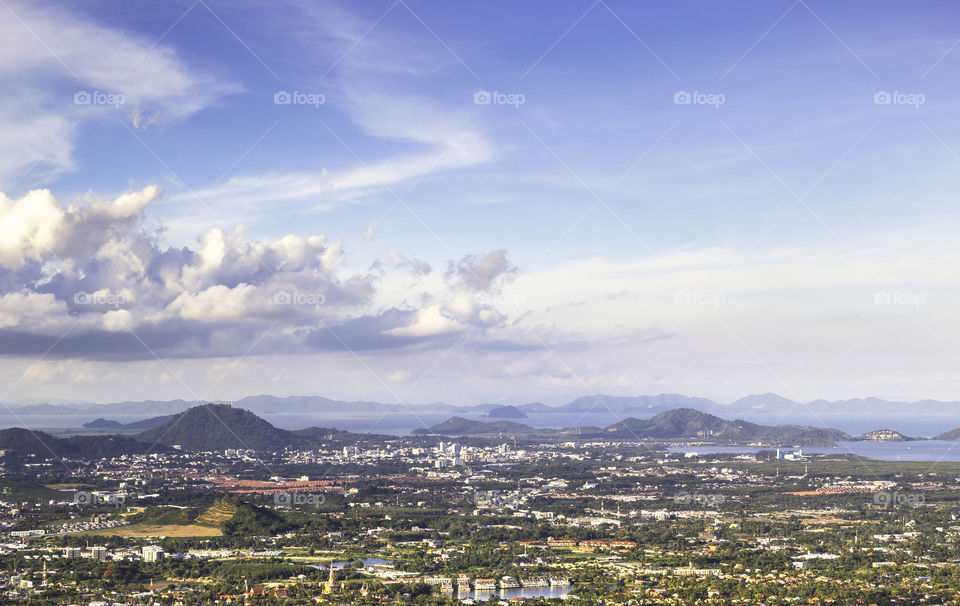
(215,427)
(621,405)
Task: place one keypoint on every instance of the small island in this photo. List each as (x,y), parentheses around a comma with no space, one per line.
(506,412)
(884,435)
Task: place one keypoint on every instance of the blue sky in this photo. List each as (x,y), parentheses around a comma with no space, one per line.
(787,229)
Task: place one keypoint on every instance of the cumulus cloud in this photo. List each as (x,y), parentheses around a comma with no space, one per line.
(456,316)
(481,273)
(90,279)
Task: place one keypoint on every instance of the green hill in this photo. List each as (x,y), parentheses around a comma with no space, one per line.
(690,423)
(953,434)
(218,427)
(220,512)
(28,442)
(247,520)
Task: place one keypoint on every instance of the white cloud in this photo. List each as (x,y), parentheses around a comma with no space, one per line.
(380,90)
(48,53)
(80,278)
(24,308)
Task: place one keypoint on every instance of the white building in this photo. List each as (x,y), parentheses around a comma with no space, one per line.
(152,553)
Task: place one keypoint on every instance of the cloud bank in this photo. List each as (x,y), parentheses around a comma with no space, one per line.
(91,280)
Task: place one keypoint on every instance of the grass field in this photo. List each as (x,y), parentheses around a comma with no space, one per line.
(158,530)
(217,514)
(169,521)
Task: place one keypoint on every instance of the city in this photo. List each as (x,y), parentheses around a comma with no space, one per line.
(431,519)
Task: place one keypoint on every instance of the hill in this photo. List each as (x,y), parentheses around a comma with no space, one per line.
(459,426)
(28,442)
(764,401)
(247,520)
(953,434)
(148,423)
(109,424)
(506,412)
(102,423)
(220,512)
(689,423)
(884,435)
(227,516)
(218,427)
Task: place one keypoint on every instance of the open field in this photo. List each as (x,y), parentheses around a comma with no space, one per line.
(67,486)
(158,530)
(217,514)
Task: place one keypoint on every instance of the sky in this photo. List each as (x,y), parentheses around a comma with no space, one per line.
(469,202)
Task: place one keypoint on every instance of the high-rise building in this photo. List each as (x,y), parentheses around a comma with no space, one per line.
(98,552)
(152,553)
